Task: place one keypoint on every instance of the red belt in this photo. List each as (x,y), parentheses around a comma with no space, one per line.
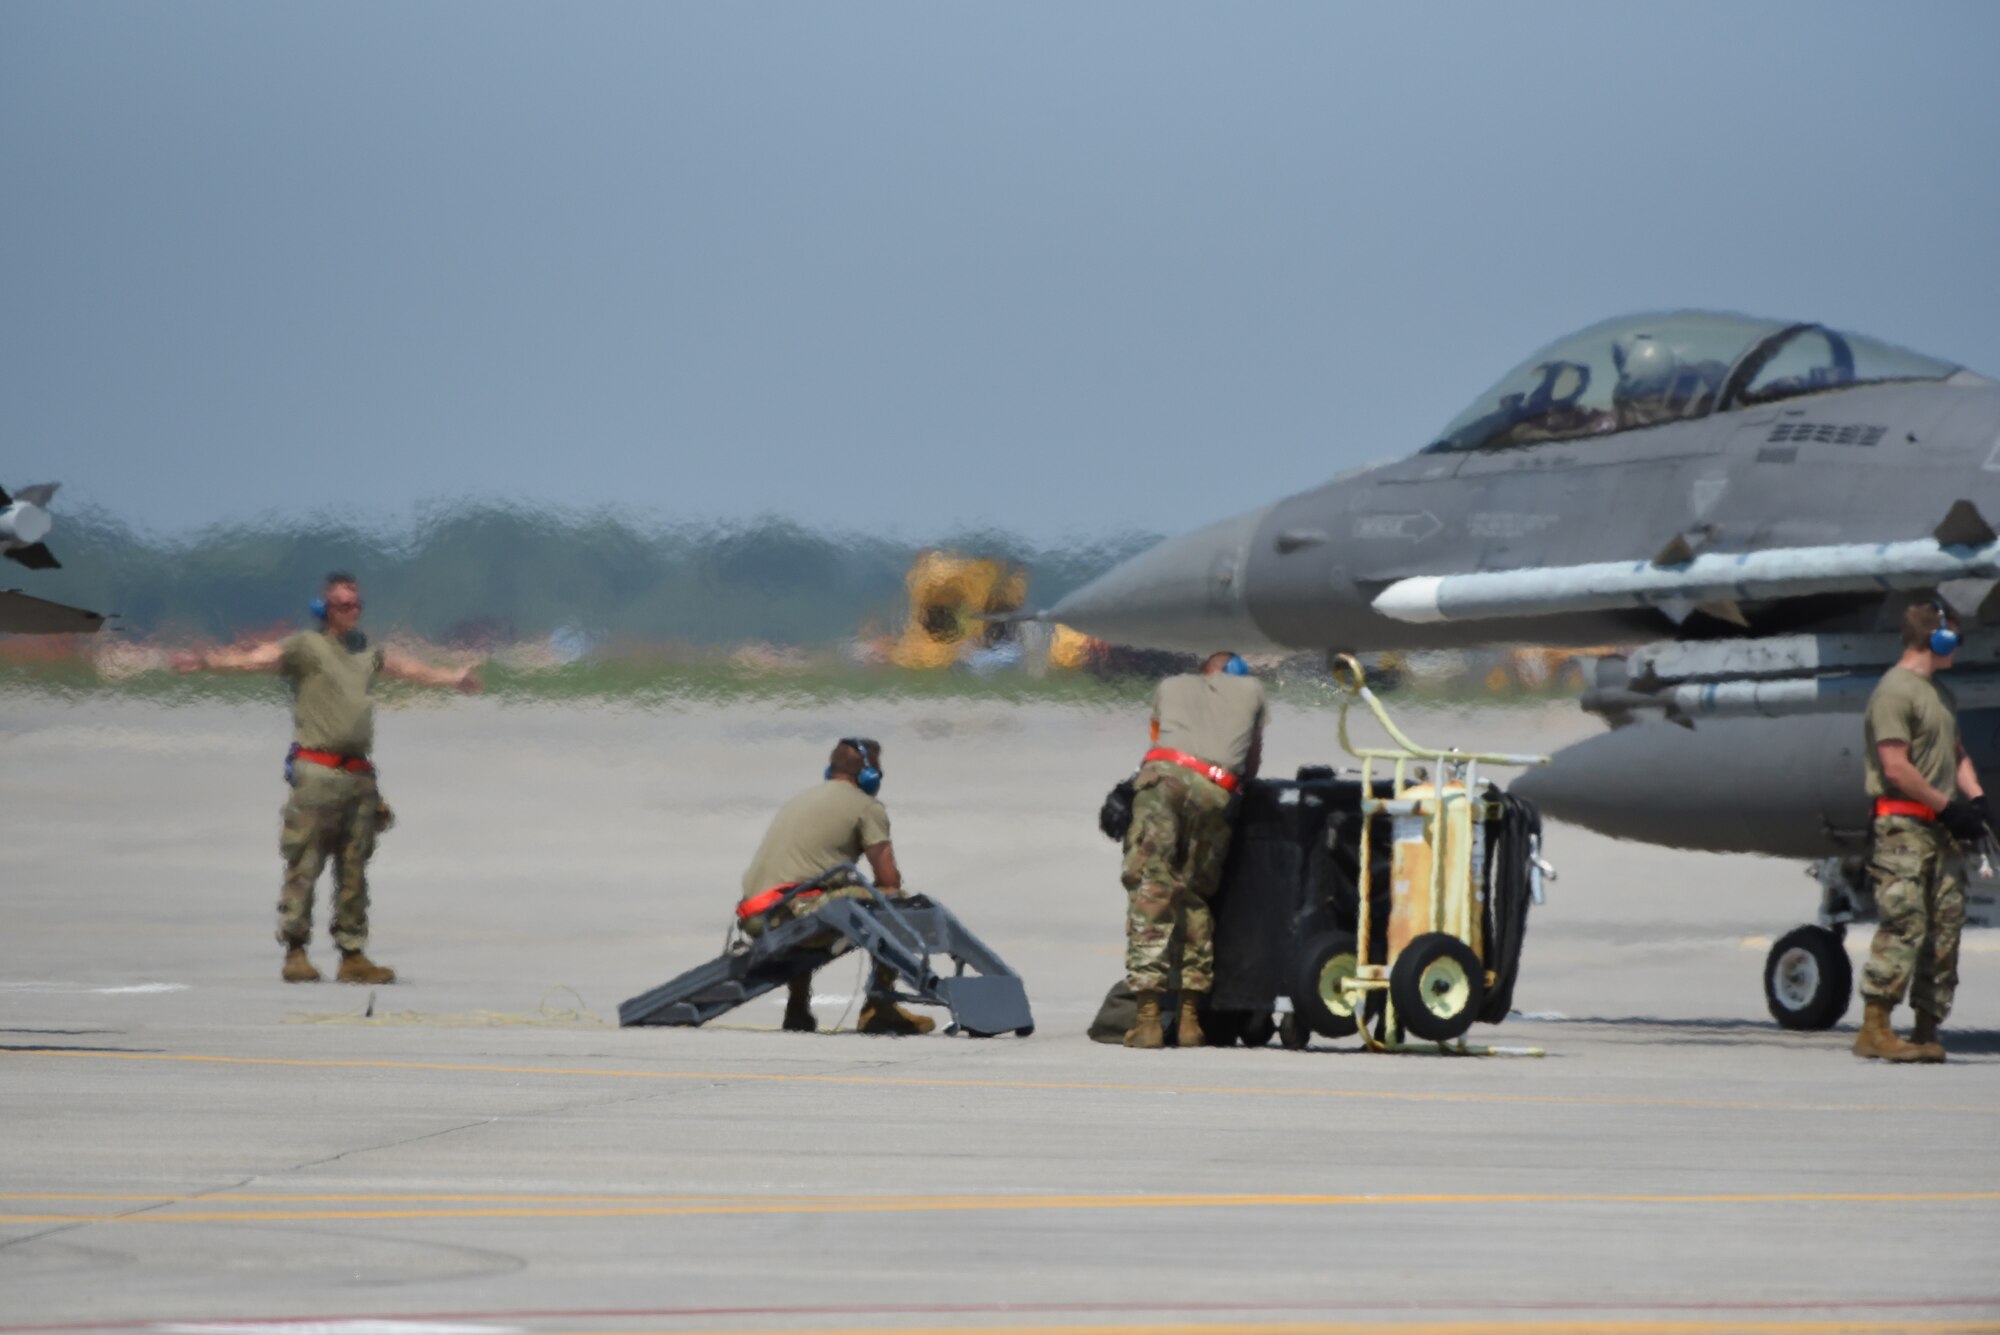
(1898,806)
(1213,773)
(765,900)
(334,760)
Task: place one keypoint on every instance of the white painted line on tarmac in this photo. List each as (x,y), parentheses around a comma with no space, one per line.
(355,1327)
(76,989)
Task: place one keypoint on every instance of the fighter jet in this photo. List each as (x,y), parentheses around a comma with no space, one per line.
(1749,504)
(24,522)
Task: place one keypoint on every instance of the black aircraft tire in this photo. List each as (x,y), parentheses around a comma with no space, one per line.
(1320,965)
(1294,1032)
(1258,1027)
(1808,979)
(1438,986)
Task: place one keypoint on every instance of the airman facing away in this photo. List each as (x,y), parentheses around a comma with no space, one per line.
(1208,736)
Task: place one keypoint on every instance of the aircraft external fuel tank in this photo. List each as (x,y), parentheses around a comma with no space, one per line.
(1724,786)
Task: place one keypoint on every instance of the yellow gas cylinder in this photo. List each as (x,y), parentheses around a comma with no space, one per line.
(1412,857)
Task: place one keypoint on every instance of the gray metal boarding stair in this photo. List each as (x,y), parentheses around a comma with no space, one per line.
(900,934)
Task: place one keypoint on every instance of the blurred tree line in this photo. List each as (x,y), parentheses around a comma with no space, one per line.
(495,572)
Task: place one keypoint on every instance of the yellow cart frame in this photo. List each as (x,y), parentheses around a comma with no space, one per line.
(1447,797)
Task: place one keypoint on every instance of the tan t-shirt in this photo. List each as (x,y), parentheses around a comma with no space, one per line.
(1211,715)
(826,825)
(331,710)
(1910,707)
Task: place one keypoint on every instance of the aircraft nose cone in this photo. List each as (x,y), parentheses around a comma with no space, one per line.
(1187,594)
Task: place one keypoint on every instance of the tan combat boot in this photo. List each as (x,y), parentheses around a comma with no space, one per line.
(1878,1040)
(886,1017)
(1145,1031)
(1188,1033)
(799,1018)
(355,967)
(1924,1033)
(299,969)
(881,1015)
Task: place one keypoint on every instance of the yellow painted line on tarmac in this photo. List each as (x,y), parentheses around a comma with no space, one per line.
(932,1082)
(738,1205)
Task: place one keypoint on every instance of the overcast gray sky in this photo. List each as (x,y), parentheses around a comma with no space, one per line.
(1067,268)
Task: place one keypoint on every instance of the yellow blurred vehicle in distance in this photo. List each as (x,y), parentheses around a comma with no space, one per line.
(953,599)
(951,595)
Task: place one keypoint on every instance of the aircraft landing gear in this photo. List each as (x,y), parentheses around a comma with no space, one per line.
(1808,979)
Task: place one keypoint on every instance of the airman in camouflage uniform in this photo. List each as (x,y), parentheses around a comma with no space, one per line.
(331,814)
(334,810)
(1208,735)
(1928,802)
(1919,880)
(1173,862)
(838,821)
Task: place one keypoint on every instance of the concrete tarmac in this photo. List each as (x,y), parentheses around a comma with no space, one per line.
(192,1145)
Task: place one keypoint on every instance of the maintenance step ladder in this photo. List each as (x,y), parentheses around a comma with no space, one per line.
(900,934)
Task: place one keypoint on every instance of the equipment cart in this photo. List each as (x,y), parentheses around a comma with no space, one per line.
(1452,864)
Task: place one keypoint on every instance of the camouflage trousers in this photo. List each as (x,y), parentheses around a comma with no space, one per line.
(1173,864)
(1919,880)
(331,815)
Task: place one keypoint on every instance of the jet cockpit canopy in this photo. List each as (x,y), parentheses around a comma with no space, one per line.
(1643,370)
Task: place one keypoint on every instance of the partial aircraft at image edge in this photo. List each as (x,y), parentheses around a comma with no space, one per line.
(1750,504)
(24,522)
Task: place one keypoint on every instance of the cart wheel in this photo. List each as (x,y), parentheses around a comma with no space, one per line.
(1438,987)
(1326,960)
(1808,979)
(1294,1032)
(1258,1027)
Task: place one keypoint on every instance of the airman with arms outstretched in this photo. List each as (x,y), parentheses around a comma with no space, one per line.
(335,810)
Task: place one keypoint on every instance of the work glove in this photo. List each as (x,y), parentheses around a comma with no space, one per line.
(1965,821)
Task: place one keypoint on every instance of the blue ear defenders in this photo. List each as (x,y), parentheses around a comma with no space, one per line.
(318,608)
(1944,640)
(869,780)
(1236,667)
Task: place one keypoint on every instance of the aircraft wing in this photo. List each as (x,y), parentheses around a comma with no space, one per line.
(35,556)
(21,614)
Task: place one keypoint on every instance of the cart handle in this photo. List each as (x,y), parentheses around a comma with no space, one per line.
(1351,680)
